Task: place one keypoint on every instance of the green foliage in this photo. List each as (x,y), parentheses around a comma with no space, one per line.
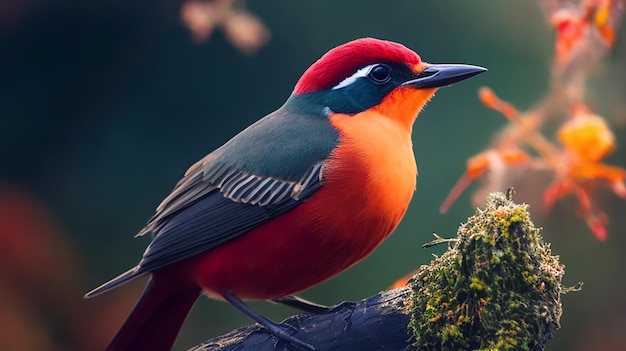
(497,288)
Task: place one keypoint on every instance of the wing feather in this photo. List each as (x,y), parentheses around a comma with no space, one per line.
(266,170)
(218,217)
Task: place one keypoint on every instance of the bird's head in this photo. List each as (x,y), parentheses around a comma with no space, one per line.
(376,74)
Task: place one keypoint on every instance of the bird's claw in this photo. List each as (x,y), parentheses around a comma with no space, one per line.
(347,305)
(280,331)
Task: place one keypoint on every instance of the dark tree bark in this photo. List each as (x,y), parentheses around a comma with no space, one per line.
(376,323)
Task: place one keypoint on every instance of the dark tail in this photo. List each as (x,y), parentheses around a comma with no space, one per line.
(156,318)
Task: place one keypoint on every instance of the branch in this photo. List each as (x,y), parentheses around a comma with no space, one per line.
(497,287)
(379,322)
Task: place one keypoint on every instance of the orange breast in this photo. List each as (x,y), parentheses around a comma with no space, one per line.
(369,181)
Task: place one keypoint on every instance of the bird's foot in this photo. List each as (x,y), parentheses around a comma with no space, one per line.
(345,305)
(281,331)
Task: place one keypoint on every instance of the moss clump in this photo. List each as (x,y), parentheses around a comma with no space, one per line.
(497,288)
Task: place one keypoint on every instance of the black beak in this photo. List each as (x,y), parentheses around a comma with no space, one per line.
(436,76)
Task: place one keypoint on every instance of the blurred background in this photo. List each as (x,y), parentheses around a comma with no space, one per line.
(104,104)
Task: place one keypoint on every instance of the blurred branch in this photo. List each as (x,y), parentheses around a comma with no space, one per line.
(497,287)
(585,33)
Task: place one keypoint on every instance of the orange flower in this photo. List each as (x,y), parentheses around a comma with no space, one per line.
(575,25)
(586,136)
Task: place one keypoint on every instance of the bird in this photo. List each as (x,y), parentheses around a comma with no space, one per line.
(291,201)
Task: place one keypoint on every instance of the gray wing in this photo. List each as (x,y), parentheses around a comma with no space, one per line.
(248,181)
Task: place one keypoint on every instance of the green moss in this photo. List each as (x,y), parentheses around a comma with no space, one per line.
(497,288)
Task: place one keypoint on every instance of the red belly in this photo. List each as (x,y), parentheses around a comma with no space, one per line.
(310,244)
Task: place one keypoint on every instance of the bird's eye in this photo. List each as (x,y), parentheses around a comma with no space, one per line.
(380,74)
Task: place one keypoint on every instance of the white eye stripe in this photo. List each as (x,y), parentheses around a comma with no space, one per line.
(363,72)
